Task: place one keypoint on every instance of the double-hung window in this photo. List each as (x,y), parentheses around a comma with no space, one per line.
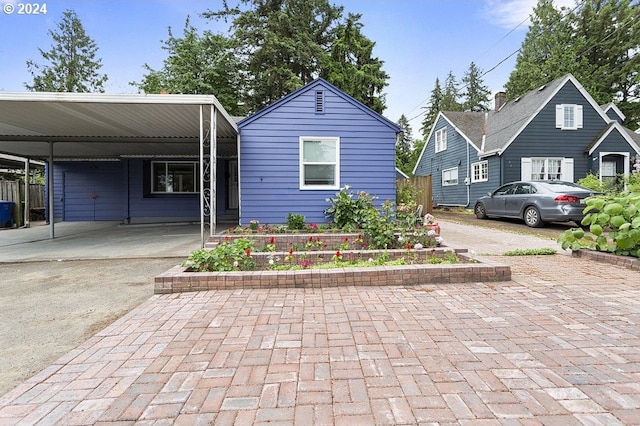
(546,168)
(480,171)
(319,162)
(450,176)
(174,177)
(568,116)
(441,139)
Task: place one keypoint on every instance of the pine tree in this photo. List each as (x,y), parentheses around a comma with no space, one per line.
(283,44)
(477,94)
(432,110)
(71,64)
(353,69)
(197,64)
(404,146)
(451,94)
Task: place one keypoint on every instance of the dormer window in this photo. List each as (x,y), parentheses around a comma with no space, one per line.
(568,116)
(319,102)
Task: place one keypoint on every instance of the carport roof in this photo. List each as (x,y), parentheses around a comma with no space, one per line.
(106,126)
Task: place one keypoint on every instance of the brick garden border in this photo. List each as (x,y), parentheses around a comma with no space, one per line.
(178,279)
(605,257)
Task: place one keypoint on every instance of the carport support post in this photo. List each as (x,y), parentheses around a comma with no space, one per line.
(50,186)
(27,204)
(214,167)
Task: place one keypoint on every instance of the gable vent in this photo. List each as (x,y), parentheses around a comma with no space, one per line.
(319,101)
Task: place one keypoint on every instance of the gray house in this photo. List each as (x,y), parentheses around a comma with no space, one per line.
(556,132)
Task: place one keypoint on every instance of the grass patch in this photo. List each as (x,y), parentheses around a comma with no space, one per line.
(530,252)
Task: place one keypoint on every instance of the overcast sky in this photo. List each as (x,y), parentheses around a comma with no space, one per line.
(419,40)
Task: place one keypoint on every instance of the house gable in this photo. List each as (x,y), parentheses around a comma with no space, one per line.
(273,169)
(613,112)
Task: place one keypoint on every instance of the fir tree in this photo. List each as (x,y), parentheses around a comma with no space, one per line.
(71,64)
(477,94)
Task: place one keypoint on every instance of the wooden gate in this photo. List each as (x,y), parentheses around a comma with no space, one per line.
(422,186)
(14,191)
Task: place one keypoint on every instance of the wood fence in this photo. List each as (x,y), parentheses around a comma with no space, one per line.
(14,191)
(422,186)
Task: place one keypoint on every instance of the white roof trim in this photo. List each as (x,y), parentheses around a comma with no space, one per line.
(615,109)
(617,126)
(580,88)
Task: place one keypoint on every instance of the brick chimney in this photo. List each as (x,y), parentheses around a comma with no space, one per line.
(500,100)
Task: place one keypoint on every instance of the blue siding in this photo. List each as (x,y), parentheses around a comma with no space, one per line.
(614,142)
(542,139)
(432,163)
(479,189)
(120,191)
(269,156)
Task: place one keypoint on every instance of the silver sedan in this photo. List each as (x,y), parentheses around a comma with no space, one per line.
(535,202)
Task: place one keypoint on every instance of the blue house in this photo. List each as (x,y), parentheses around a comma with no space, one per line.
(175,158)
(299,151)
(556,132)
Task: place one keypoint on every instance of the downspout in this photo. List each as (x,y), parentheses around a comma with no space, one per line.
(213,135)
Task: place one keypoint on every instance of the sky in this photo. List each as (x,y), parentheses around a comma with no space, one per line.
(418,40)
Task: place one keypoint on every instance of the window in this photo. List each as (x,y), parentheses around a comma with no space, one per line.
(568,116)
(319,163)
(441,140)
(480,171)
(450,177)
(174,177)
(546,168)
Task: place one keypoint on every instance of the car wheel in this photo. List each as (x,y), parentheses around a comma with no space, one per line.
(480,212)
(532,217)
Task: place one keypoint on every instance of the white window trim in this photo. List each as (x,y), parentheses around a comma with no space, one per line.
(441,140)
(302,163)
(196,177)
(450,182)
(566,168)
(483,177)
(577,117)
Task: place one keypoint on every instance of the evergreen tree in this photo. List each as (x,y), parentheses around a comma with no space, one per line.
(197,64)
(610,30)
(432,109)
(353,69)
(477,94)
(283,44)
(451,94)
(71,63)
(404,146)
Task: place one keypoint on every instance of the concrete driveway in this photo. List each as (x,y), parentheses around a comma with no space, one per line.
(98,240)
(559,344)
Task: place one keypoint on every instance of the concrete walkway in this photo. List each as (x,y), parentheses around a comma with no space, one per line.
(560,344)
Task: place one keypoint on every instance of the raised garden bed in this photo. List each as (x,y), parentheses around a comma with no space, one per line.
(180,279)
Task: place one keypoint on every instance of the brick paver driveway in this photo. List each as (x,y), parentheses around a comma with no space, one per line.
(560,344)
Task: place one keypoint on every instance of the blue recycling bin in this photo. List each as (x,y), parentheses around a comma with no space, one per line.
(6,213)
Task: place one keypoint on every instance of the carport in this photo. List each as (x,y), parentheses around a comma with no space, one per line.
(106,127)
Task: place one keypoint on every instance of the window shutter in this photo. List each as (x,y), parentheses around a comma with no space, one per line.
(578,116)
(559,116)
(567,170)
(525,168)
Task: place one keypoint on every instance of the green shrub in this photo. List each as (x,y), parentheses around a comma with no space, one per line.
(592,181)
(613,223)
(351,212)
(232,255)
(295,221)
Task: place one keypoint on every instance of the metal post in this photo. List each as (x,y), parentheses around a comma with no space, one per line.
(214,167)
(27,204)
(50,185)
(201,180)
